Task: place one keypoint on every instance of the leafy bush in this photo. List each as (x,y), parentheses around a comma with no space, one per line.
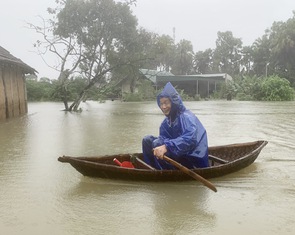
(39,91)
(276,89)
(271,88)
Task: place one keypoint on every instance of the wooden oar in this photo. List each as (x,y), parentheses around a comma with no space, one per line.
(191,173)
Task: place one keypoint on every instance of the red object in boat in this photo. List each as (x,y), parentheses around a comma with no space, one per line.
(125,164)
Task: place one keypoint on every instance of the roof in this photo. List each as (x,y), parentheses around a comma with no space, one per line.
(199,77)
(163,76)
(153,74)
(6,57)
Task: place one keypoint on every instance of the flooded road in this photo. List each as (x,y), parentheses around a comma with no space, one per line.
(40,195)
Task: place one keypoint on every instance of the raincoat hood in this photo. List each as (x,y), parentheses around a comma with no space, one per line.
(177,105)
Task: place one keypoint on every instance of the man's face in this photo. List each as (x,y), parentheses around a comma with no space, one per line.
(165,105)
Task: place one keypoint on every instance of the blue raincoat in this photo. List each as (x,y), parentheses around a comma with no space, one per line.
(183,134)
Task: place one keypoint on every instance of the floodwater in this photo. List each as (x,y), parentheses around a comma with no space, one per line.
(40,195)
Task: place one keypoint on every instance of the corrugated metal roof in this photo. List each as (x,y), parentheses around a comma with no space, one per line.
(152,74)
(163,76)
(6,57)
(204,77)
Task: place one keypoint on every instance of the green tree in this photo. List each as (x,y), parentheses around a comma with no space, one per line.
(165,52)
(183,60)
(203,61)
(282,42)
(141,53)
(227,54)
(87,37)
(246,63)
(261,54)
(105,29)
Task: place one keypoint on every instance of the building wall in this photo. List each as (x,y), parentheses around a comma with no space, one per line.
(13,100)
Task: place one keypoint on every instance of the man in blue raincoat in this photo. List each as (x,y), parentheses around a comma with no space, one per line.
(182,136)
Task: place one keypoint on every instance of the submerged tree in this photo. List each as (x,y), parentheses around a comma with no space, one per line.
(87,37)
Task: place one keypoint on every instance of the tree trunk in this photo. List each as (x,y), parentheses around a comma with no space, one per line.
(75,105)
(63,77)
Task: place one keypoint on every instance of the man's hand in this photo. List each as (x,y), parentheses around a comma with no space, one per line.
(160,151)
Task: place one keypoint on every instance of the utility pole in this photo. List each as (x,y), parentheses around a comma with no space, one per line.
(174,35)
(266,66)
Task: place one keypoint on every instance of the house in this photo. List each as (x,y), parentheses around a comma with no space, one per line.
(202,85)
(13,98)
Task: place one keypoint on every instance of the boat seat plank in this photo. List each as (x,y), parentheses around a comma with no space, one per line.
(217,159)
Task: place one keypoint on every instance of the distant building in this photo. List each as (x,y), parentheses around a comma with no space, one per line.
(149,74)
(201,84)
(13,98)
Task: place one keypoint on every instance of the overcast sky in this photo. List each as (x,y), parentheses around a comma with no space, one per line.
(195,20)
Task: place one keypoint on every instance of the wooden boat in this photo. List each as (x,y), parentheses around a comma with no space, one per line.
(223,160)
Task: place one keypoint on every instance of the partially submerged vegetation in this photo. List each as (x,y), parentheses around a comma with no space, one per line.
(272,88)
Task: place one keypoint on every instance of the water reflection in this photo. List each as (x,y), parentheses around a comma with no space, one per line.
(181,208)
(12,136)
